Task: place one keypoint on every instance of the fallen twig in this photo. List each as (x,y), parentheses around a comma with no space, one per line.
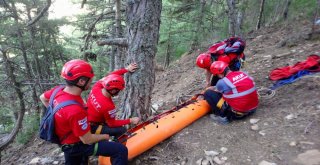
(306,130)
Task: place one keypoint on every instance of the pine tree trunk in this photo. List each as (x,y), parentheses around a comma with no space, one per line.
(120,51)
(168,48)
(118,17)
(240,16)
(112,58)
(143,23)
(168,52)
(276,10)
(260,14)
(239,23)
(232,17)
(314,19)
(286,9)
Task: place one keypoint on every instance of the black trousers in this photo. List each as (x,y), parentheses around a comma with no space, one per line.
(77,154)
(213,97)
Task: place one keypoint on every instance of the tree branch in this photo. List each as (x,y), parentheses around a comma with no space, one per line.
(83,2)
(115,41)
(92,26)
(44,10)
(10,73)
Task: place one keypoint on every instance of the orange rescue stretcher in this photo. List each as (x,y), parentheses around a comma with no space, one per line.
(153,131)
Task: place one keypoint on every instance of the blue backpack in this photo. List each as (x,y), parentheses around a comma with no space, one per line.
(47,131)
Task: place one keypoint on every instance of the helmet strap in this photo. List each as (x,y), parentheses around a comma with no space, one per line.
(81,87)
(85,84)
(225,71)
(115,94)
(75,82)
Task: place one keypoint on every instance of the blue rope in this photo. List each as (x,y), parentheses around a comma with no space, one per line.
(289,80)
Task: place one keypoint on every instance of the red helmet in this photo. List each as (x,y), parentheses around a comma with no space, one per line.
(76,68)
(204,60)
(218,67)
(113,81)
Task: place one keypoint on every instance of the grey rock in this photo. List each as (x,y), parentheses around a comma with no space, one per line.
(223,149)
(199,161)
(254,121)
(205,162)
(310,157)
(35,160)
(266,163)
(218,160)
(211,153)
(255,127)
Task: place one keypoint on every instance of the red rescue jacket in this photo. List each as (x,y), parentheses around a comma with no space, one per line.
(244,96)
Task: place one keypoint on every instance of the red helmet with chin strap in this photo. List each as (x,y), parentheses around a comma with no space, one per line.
(218,67)
(74,69)
(113,81)
(204,60)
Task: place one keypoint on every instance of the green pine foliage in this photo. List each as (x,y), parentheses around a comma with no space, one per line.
(180,18)
(303,8)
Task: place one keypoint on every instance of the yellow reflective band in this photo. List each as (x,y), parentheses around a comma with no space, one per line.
(98,131)
(238,113)
(220,103)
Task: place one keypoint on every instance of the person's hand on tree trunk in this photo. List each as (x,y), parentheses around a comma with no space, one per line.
(132,67)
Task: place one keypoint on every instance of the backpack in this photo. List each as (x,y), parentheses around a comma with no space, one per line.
(234,45)
(217,48)
(47,130)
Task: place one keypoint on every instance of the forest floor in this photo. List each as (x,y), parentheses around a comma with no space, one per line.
(287,131)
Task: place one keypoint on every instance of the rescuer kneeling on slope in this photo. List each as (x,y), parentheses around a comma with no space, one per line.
(235,95)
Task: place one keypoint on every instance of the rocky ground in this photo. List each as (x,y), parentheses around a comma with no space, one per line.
(284,131)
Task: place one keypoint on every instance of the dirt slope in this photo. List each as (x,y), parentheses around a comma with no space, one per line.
(288,123)
(279,139)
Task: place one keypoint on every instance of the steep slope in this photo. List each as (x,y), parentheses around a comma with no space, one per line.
(288,122)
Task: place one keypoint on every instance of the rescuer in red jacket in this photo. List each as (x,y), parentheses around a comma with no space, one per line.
(102,113)
(235,95)
(229,51)
(71,123)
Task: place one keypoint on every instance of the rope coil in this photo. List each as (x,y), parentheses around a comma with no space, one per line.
(266,93)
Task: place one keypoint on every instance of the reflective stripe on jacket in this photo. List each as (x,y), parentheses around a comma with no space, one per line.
(243,96)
